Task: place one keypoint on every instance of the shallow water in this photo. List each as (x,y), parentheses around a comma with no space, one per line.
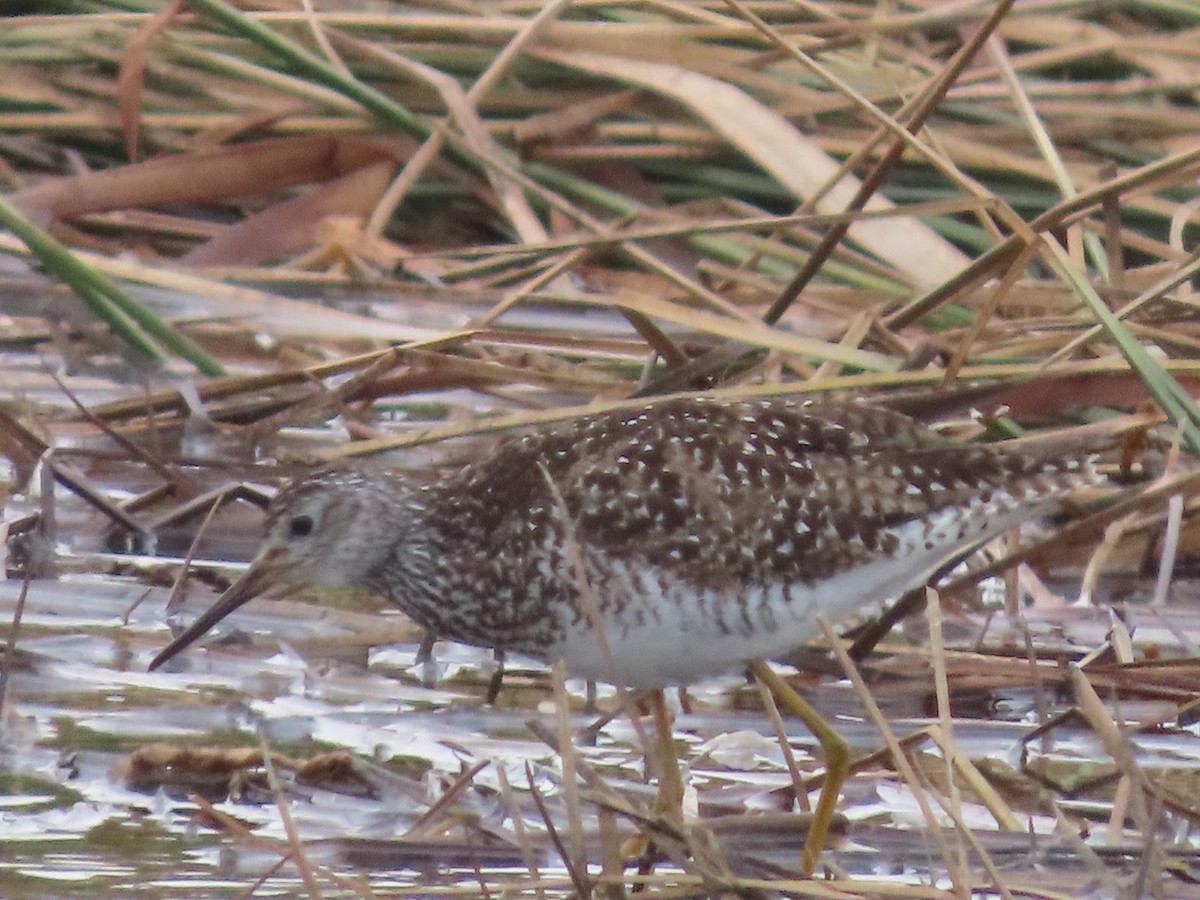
(74,822)
(418,786)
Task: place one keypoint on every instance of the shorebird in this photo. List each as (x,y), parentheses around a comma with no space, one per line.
(663,544)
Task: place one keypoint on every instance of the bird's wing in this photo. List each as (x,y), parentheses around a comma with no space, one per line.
(749,491)
(790,493)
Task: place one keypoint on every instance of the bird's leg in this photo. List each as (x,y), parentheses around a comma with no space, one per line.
(669,802)
(425,660)
(497,679)
(837,759)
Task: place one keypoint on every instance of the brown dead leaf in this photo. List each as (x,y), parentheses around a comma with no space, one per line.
(241,170)
(792,158)
(130,77)
(293,225)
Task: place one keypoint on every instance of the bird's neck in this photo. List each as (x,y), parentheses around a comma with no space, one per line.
(416,573)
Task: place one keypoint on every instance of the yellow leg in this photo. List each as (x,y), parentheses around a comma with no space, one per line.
(668,802)
(837,760)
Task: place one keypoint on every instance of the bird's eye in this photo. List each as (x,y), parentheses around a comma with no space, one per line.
(300,526)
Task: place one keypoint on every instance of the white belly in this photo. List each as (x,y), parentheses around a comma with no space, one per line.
(684,636)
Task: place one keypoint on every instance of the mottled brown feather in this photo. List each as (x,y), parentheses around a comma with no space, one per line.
(726,519)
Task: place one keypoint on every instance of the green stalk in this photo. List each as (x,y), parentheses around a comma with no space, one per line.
(374,101)
(1167,392)
(128,319)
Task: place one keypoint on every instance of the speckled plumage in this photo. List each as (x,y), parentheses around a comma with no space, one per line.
(697,534)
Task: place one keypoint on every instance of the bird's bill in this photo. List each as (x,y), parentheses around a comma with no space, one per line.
(249,586)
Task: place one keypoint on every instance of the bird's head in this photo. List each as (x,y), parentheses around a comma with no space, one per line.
(330,530)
